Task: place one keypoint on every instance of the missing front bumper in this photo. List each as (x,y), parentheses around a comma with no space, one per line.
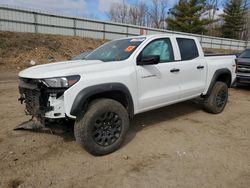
(41,102)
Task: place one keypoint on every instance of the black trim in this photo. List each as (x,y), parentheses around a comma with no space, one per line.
(215,77)
(85,94)
(214,54)
(174,70)
(200,67)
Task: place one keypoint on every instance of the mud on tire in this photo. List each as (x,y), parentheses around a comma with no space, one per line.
(217,100)
(102,129)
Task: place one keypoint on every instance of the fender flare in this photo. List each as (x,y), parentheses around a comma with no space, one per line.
(86,93)
(215,77)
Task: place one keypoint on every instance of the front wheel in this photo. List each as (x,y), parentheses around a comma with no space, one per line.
(217,100)
(102,129)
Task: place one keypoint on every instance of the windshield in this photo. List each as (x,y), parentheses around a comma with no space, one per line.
(245,54)
(117,50)
(81,56)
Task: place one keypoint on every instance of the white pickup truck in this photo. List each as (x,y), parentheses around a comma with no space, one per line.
(122,78)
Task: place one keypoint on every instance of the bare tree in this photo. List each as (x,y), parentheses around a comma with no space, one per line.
(124,12)
(131,14)
(142,14)
(212,6)
(118,12)
(158,13)
(138,14)
(112,13)
(245,34)
(246,31)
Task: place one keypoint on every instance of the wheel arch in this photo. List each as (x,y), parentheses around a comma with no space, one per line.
(115,91)
(223,75)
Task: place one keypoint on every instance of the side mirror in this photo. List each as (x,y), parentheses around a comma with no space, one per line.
(148,60)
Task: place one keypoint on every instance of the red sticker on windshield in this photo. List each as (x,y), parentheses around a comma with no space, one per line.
(129,48)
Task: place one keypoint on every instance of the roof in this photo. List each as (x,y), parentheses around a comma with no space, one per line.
(160,35)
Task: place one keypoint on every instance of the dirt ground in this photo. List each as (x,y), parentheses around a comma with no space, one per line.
(18,49)
(175,146)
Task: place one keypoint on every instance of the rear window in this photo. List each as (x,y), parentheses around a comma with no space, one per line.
(188,48)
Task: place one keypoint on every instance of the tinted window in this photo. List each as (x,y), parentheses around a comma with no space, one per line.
(161,47)
(188,48)
(245,54)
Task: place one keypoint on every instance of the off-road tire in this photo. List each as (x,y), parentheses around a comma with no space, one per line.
(89,123)
(212,102)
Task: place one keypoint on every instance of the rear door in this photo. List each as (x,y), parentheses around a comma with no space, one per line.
(193,68)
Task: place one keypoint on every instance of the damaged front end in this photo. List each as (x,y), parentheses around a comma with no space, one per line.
(43,99)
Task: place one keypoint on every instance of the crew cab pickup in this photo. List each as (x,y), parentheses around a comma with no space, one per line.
(122,78)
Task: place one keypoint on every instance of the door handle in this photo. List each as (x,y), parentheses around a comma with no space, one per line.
(200,67)
(175,70)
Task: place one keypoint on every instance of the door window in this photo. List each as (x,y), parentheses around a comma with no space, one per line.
(188,48)
(161,47)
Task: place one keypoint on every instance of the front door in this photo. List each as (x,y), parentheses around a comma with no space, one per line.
(158,84)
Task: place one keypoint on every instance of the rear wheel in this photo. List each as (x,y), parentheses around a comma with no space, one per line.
(217,100)
(102,129)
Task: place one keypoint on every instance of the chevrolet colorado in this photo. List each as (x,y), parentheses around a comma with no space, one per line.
(122,78)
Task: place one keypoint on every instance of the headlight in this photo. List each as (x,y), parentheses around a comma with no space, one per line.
(61,82)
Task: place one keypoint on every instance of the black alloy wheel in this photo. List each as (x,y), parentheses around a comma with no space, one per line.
(221,98)
(103,127)
(107,129)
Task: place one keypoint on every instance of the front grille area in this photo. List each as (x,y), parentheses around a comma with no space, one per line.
(32,100)
(243,68)
(35,95)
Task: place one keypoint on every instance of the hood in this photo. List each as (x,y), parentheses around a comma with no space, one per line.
(66,68)
(244,61)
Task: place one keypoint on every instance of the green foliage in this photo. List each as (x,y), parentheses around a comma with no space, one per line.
(234,18)
(185,17)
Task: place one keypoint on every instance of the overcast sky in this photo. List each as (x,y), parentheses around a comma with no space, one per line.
(91,8)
